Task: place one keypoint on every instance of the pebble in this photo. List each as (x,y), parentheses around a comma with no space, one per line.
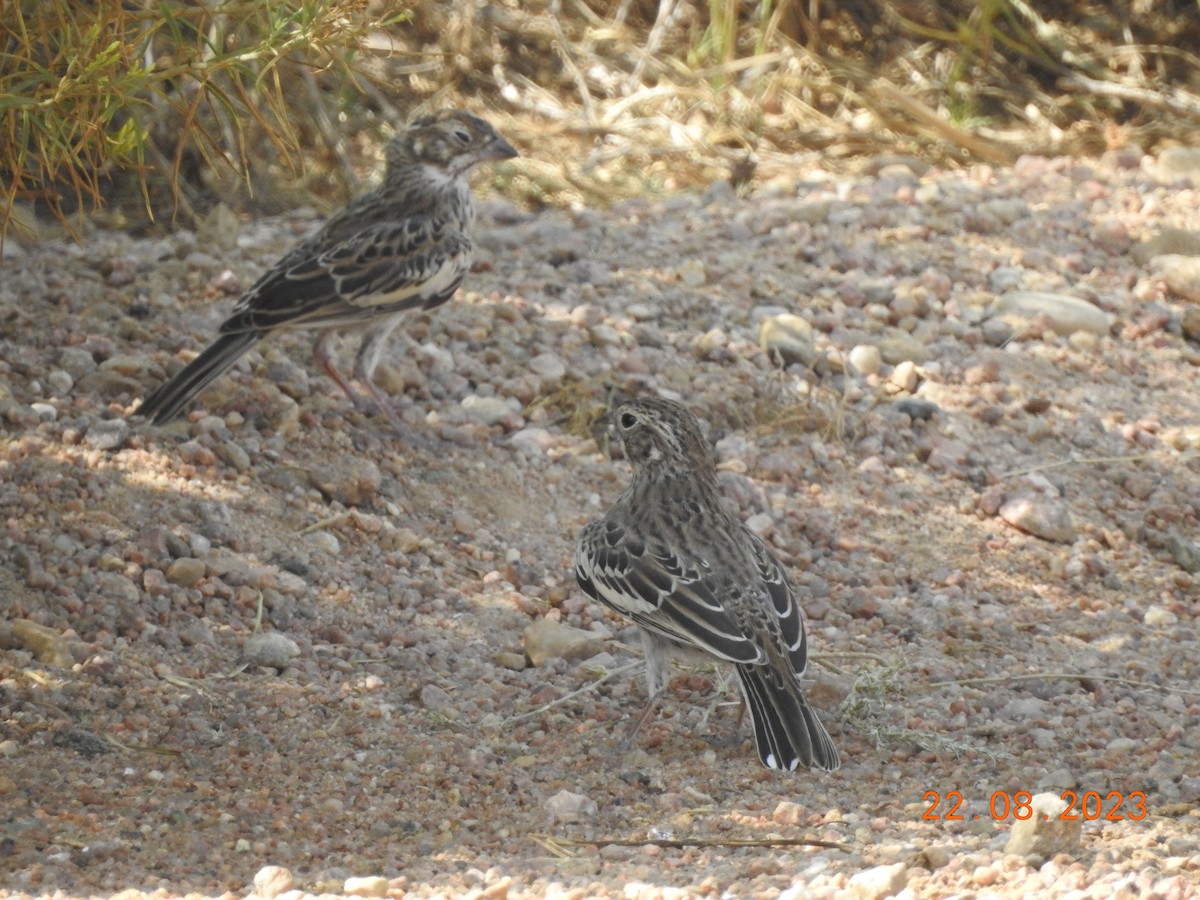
(787,339)
(487,410)
(1179,162)
(1044,834)
(270,649)
(350,480)
(515,662)
(879,882)
(1064,313)
(107,434)
(547,638)
(566,806)
(185,571)
(904,376)
(549,367)
(47,645)
(532,439)
(900,347)
(1189,323)
(271,881)
(1043,517)
(691,272)
(789,812)
(436,697)
(366,886)
(233,455)
(1181,274)
(1168,241)
(865,359)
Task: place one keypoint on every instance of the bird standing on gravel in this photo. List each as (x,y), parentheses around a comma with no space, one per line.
(404,245)
(670,556)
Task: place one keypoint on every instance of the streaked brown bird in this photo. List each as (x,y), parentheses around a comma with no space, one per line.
(672,557)
(404,245)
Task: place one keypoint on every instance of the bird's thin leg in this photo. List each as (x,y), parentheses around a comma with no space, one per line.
(324,358)
(643,716)
(654,648)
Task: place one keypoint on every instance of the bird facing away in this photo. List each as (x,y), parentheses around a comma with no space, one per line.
(404,245)
(670,556)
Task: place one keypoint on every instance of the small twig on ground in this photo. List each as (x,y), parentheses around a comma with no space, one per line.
(555,844)
(1092,461)
(1071,676)
(590,686)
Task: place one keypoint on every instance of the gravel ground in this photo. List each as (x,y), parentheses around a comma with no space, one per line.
(972,439)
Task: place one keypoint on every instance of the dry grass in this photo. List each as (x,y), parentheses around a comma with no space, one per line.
(619,97)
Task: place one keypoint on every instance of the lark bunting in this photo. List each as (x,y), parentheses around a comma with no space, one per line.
(670,556)
(404,245)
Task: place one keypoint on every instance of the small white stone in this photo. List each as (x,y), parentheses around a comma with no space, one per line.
(488,410)
(879,882)
(1158,616)
(271,881)
(366,886)
(865,359)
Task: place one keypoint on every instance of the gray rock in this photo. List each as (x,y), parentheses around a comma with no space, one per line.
(1044,834)
(547,638)
(1044,517)
(76,361)
(916,409)
(488,410)
(566,806)
(351,481)
(1185,553)
(1063,313)
(270,649)
(900,347)
(436,697)
(233,455)
(549,367)
(107,434)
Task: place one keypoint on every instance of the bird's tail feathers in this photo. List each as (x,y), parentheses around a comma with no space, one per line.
(787,730)
(166,402)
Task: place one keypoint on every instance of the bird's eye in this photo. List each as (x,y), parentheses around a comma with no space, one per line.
(462,136)
(628,420)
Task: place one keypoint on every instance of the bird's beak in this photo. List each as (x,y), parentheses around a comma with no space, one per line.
(498,148)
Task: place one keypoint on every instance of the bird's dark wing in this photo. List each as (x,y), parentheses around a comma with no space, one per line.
(385,267)
(783,602)
(677,598)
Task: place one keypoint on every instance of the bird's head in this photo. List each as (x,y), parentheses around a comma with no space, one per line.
(662,437)
(452,141)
